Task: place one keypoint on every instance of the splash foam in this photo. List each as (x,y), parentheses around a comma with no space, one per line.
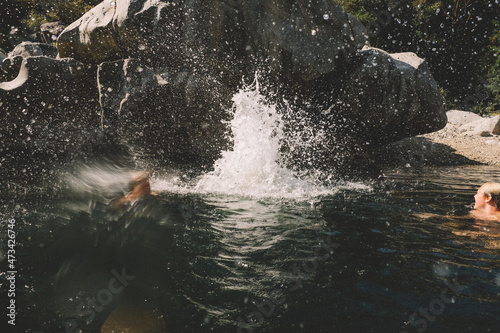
(251,168)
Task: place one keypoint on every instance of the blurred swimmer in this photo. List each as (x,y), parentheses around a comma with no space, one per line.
(139,187)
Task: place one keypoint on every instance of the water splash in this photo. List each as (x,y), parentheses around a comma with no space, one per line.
(251,168)
(103,179)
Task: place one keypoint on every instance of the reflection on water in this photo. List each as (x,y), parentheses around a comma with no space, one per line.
(390,256)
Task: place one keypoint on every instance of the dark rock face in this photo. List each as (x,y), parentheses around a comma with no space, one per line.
(11,64)
(302,40)
(44,115)
(161,75)
(173,115)
(392,96)
(31,49)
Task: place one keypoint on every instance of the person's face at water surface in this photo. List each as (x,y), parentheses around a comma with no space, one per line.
(481,200)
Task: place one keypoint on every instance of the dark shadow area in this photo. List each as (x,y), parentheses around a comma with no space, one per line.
(419,152)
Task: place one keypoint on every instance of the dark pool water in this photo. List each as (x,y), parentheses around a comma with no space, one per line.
(392,255)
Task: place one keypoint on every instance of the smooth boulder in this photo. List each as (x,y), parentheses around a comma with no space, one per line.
(393,96)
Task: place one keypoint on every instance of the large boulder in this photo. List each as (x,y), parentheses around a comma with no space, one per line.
(161,74)
(301,39)
(47,85)
(469,123)
(350,114)
(485,127)
(294,37)
(392,96)
(459,117)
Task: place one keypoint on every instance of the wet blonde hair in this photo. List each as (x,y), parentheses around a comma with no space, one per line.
(493,190)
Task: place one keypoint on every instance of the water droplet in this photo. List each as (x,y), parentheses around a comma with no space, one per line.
(441,269)
(326,16)
(313,32)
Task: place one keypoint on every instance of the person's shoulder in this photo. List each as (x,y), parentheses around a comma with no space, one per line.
(487,216)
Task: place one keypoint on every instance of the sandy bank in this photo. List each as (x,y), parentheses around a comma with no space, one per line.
(467,139)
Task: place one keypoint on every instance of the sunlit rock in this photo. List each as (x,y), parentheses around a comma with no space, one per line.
(121,29)
(486,126)
(459,118)
(469,123)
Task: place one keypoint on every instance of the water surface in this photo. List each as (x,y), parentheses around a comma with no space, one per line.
(390,255)
(253,247)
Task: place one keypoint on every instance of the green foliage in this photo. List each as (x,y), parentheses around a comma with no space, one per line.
(363,15)
(359,11)
(55,10)
(494,71)
(30,14)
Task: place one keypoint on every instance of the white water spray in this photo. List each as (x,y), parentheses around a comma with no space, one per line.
(251,168)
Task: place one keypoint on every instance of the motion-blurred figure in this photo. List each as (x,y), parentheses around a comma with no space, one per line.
(139,187)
